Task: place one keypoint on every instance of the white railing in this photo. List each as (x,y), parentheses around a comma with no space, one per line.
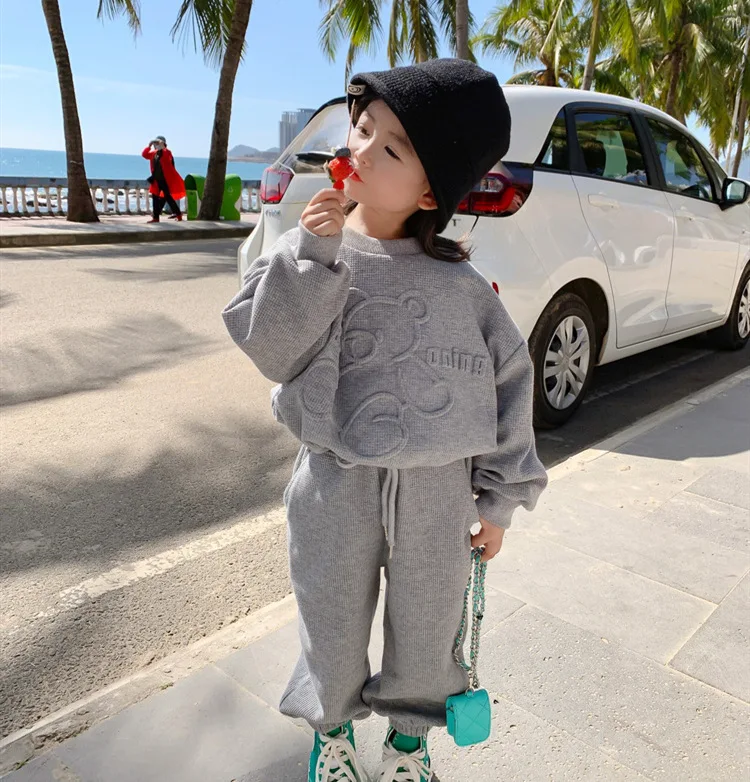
(40,196)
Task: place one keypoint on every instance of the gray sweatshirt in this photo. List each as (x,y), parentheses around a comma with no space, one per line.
(387,357)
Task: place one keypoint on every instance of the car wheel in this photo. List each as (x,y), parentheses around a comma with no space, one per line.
(563,349)
(734,334)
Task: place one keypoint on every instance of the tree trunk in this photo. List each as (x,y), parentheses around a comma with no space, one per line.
(674,81)
(744,118)
(213,190)
(81,208)
(588,74)
(462,29)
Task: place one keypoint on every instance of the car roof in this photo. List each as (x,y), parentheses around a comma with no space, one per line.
(534,110)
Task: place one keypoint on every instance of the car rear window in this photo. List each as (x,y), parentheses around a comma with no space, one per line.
(326,131)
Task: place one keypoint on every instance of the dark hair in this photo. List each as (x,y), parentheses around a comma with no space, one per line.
(422,225)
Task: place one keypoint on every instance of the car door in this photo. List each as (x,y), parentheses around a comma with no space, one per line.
(628,215)
(707,238)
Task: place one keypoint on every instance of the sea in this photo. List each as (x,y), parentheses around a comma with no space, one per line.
(51,163)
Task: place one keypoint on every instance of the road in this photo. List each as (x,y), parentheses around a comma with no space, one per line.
(140,461)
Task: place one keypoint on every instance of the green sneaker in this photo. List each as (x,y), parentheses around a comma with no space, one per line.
(405,759)
(334,757)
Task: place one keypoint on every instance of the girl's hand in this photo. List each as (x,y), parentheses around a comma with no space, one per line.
(491,537)
(324,215)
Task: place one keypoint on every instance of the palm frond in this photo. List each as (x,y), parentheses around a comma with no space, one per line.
(207,24)
(130,8)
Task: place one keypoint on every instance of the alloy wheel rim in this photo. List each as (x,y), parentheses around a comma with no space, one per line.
(566,362)
(743,316)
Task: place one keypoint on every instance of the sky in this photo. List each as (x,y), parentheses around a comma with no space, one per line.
(132,89)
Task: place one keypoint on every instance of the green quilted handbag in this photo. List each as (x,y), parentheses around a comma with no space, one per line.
(468,714)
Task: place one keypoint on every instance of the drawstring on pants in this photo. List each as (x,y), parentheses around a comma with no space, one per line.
(388,495)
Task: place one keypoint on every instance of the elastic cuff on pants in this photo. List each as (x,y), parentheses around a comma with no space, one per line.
(410,729)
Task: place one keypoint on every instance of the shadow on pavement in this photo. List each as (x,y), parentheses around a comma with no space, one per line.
(171,273)
(7,298)
(74,360)
(223,471)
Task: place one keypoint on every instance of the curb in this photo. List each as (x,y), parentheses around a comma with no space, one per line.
(123,236)
(25,744)
(580,460)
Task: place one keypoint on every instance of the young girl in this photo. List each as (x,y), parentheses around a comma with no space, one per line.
(410,389)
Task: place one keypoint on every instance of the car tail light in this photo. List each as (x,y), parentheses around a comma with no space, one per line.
(274,183)
(500,193)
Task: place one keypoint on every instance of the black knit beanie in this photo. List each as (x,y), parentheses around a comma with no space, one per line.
(456,117)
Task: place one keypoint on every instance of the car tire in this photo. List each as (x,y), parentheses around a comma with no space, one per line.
(565,329)
(734,334)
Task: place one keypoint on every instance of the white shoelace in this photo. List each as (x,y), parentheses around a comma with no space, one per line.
(335,753)
(403,766)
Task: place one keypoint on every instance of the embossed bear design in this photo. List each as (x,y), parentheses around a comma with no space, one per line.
(380,340)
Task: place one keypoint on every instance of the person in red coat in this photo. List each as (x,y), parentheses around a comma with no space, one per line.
(167,185)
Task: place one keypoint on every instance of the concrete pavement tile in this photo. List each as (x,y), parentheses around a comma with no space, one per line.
(700,437)
(726,486)
(523,747)
(499,606)
(727,525)
(629,481)
(286,769)
(641,714)
(264,667)
(638,544)
(718,653)
(638,613)
(47,768)
(204,729)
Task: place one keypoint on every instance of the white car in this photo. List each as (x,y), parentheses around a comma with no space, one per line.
(607,230)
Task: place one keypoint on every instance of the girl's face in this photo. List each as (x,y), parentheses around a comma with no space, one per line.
(388,176)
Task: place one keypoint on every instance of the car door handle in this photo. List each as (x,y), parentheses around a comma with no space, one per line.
(685,213)
(604,202)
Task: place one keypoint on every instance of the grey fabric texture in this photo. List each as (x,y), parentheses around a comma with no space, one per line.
(411,389)
(389,358)
(336,550)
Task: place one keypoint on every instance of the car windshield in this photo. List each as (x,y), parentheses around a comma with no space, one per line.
(314,146)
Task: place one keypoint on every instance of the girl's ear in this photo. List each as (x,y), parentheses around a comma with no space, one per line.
(427,201)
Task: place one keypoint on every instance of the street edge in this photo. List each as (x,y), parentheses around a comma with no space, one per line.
(122,237)
(613,442)
(23,745)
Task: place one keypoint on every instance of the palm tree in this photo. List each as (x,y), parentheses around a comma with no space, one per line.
(414,29)
(536,31)
(612,27)
(221,26)
(462,29)
(742,94)
(81,208)
(697,48)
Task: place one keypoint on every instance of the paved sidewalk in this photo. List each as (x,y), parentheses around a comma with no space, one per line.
(615,644)
(53,231)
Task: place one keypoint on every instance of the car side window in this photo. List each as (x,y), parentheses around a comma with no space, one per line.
(610,148)
(684,172)
(555,154)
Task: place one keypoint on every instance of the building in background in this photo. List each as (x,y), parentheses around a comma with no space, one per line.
(291,124)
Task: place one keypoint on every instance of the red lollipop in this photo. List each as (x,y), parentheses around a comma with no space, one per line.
(340,167)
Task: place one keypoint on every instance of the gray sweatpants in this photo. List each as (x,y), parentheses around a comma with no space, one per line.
(338,518)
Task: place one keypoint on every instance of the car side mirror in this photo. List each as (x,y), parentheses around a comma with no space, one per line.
(734,192)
